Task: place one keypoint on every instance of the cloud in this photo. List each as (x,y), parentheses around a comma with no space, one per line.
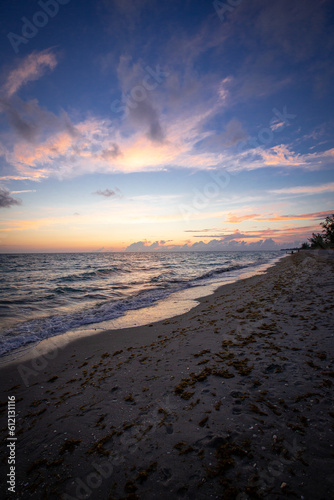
(223,91)
(58,154)
(276,124)
(144,246)
(281,155)
(32,123)
(96,146)
(236,219)
(108,193)
(140,112)
(23,128)
(267,244)
(227,237)
(145,114)
(283,235)
(113,152)
(252,80)
(233,134)
(29,69)
(262,239)
(6,200)
(63,154)
(28,120)
(215,245)
(153,137)
(307,190)
(24,191)
(275,37)
(241,218)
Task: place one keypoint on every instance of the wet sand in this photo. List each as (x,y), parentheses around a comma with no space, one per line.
(232,400)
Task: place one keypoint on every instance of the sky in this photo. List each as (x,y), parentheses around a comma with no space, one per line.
(146,125)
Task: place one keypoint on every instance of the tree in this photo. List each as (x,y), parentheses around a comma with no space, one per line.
(328,231)
(305,245)
(317,241)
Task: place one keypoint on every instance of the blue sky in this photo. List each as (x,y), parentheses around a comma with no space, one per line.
(165,125)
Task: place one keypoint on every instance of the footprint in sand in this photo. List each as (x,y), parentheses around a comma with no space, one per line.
(165,475)
(169,428)
(236,394)
(237,410)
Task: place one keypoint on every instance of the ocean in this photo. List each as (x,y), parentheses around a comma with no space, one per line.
(46,295)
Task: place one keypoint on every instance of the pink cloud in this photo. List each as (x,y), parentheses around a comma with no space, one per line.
(30,69)
(235,219)
(281,155)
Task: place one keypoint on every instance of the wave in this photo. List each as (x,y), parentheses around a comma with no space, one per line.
(166,278)
(39,329)
(99,273)
(107,299)
(66,289)
(221,270)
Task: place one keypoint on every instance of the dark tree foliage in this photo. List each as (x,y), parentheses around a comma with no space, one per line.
(324,240)
(317,241)
(328,232)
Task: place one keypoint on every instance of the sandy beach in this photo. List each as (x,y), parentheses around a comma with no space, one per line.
(232,400)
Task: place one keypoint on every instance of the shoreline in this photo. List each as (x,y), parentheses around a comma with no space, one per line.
(232,398)
(185,300)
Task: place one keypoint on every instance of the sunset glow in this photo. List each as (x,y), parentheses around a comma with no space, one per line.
(163,120)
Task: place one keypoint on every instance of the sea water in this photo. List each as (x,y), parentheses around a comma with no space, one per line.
(46,295)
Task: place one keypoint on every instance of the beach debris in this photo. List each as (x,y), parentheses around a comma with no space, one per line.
(130,487)
(143,474)
(218,405)
(98,446)
(241,366)
(129,399)
(203,421)
(205,351)
(256,409)
(118,352)
(183,448)
(223,373)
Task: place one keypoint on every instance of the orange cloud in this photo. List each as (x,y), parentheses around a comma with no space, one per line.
(67,154)
(235,219)
(30,155)
(285,234)
(281,155)
(261,217)
(281,234)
